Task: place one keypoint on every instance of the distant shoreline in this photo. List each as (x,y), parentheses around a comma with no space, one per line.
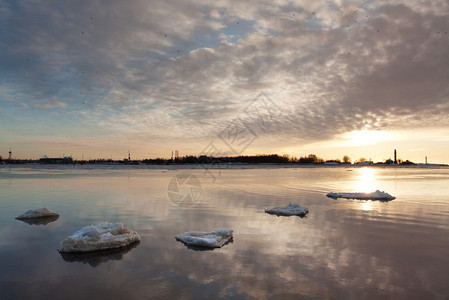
(223,166)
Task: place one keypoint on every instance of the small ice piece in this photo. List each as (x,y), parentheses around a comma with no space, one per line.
(101,236)
(37,213)
(292,209)
(377,195)
(214,239)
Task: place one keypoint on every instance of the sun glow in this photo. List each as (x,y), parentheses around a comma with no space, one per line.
(364,137)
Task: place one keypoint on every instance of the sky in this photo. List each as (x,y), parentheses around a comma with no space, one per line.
(96,79)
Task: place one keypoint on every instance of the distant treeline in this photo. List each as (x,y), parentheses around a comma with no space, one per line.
(242,159)
(254,159)
(203,159)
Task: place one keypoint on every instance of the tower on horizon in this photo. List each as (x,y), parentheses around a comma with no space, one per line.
(10,154)
(395,157)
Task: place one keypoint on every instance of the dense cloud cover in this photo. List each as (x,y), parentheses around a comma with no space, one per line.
(185,69)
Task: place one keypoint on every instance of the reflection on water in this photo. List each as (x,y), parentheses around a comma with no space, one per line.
(367,205)
(366,181)
(344,249)
(94,259)
(40,221)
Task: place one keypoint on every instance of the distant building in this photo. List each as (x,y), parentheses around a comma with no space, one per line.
(331,163)
(48,160)
(365,163)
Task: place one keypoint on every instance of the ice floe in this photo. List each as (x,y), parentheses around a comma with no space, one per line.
(101,236)
(292,209)
(37,213)
(215,239)
(377,195)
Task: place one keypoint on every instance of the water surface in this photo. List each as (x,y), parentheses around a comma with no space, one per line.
(343,249)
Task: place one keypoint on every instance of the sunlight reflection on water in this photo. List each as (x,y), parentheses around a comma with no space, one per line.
(366,181)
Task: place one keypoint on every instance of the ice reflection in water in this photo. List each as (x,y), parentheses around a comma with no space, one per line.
(342,250)
(39,221)
(94,259)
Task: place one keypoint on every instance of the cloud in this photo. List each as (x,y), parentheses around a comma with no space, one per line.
(193,66)
(51,105)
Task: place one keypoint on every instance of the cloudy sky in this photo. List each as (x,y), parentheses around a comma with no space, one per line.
(97,78)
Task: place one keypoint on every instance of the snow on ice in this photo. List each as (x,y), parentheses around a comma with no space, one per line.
(37,213)
(377,195)
(101,236)
(292,209)
(215,239)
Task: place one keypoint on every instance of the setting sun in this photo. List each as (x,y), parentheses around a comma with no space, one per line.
(365,137)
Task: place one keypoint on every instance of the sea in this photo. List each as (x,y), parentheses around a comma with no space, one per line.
(342,249)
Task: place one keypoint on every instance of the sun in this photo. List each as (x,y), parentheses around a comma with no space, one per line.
(364,137)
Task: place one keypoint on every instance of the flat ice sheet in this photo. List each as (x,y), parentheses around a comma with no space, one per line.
(292,209)
(37,213)
(101,236)
(215,239)
(377,195)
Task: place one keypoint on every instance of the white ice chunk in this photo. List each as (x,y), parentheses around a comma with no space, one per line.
(37,213)
(99,236)
(292,209)
(214,239)
(377,195)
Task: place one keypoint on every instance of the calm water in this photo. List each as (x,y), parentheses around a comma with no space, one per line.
(344,249)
